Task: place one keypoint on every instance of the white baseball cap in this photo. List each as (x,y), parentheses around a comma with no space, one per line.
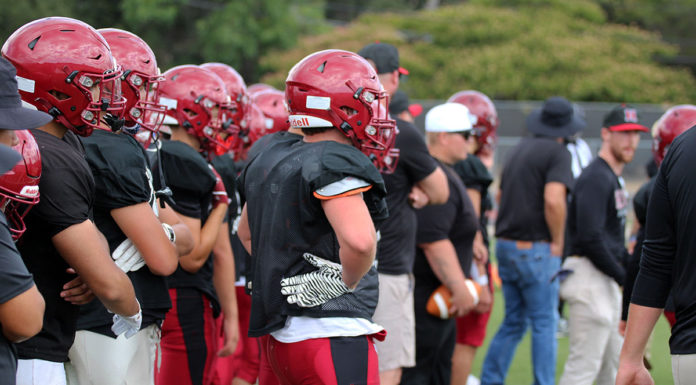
(449,117)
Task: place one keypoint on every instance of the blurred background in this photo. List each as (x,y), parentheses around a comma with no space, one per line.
(519,52)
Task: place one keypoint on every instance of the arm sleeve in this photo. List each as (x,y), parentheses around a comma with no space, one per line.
(14,276)
(344,187)
(654,278)
(591,200)
(66,199)
(414,155)
(434,223)
(120,181)
(559,169)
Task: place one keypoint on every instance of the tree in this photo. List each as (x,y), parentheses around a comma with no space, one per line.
(516,50)
(236,32)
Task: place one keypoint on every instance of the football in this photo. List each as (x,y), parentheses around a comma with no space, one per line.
(440,300)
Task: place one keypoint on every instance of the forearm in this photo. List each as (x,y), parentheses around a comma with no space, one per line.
(442,258)
(184,238)
(193,261)
(356,263)
(224,273)
(555,215)
(435,186)
(641,321)
(84,248)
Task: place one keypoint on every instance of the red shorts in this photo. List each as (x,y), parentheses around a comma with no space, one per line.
(671,318)
(189,340)
(471,328)
(330,361)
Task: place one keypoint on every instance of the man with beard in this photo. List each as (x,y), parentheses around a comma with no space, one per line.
(596,223)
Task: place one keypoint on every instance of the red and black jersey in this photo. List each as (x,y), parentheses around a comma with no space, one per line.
(286,220)
(122,178)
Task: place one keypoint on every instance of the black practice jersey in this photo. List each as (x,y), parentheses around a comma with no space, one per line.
(670,246)
(476,176)
(533,163)
(191,180)
(287,220)
(597,219)
(396,248)
(123,178)
(67,197)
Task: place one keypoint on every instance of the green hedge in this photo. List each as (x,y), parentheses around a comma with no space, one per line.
(515,50)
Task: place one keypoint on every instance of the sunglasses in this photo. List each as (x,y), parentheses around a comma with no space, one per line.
(465,134)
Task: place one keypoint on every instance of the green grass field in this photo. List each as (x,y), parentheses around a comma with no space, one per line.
(521,369)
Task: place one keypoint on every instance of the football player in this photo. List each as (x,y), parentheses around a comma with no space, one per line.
(78,84)
(21,304)
(126,212)
(196,99)
(309,223)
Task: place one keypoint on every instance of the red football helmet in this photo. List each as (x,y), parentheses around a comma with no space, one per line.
(482,107)
(195,97)
(19,187)
(272,103)
(670,125)
(140,79)
(258,87)
(257,128)
(65,68)
(335,88)
(235,114)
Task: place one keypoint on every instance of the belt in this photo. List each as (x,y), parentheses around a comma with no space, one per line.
(522,245)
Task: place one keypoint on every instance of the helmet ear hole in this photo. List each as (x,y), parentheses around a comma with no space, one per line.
(349,111)
(59,95)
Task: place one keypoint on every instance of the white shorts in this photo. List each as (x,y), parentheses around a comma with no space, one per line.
(99,359)
(395,313)
(40,372)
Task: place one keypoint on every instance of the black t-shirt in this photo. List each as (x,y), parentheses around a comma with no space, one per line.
(533,163)
(597,219)
(67,197)
(14,280)
(192,182)
(396,248)
(122,178)
(669,248)
(286,220)
(454,220)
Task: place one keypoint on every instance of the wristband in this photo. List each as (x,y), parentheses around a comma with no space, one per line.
(169,230)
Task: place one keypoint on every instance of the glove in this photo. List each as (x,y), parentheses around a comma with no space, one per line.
(316,287)
(219,192)
(129,325)
(127,257)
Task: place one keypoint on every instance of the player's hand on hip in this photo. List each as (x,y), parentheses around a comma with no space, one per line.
(316,287)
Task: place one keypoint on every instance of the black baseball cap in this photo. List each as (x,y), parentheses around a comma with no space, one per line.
(12,115)
(385,56)
(623,118)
